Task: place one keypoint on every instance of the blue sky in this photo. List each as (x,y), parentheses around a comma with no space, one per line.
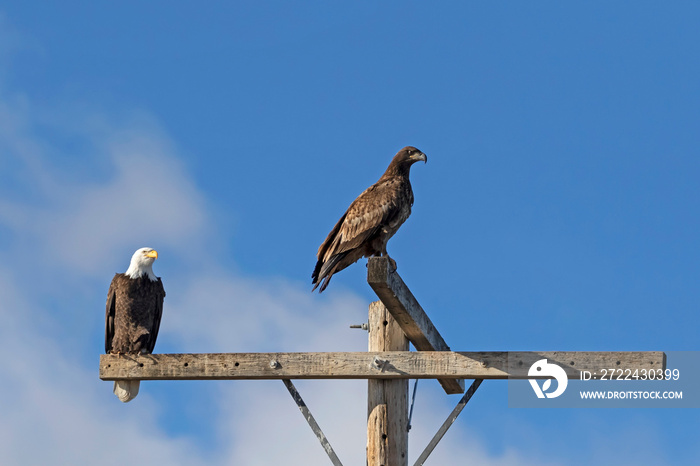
(558,211)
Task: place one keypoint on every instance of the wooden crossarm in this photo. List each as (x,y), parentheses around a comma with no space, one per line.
(370,365)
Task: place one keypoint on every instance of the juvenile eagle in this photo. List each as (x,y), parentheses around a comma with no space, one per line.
(370,221)
(134,309)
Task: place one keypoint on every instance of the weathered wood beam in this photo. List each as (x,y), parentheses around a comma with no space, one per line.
(371,365)
(414,322)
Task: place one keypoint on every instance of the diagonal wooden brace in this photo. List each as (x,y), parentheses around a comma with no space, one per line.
(404,307)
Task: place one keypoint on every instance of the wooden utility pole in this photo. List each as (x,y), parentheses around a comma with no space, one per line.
(387,400)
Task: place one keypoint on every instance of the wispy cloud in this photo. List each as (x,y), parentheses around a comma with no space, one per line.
(145,197)
(262,315)
(55,412)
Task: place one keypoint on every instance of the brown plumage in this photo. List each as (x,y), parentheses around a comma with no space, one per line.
(370,221)
(134,310)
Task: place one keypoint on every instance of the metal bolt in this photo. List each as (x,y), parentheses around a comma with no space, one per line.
(364,326)
(379,363)
(274,364)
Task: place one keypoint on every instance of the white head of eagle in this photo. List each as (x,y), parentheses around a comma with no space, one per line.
(142,264)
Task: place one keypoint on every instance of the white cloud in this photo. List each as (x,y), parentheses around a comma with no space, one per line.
(82,224)
(266,427)
(261,315)
(55,412)
(62,228)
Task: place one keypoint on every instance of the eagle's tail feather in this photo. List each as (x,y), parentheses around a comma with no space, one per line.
(325,270)
(126,390)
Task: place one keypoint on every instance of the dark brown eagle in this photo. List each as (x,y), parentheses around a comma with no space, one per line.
(370,221)
(134,308)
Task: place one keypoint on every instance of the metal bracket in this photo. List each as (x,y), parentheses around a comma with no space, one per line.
(312,422)
(448,423)
(413,402)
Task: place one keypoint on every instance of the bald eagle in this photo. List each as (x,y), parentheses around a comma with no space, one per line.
(134,309)
(370,221)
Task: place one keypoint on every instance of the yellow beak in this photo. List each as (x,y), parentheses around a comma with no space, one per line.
(153,254)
